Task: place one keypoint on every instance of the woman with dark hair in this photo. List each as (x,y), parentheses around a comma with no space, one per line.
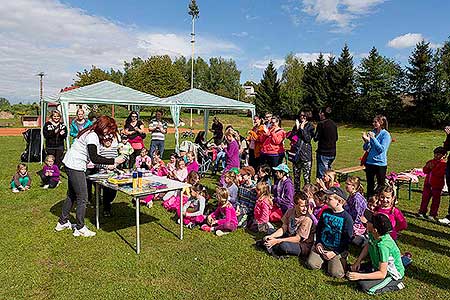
(301,135)
(55,133)
(134,129)
(86,147)
(376,143)
(200,140)
(272,150)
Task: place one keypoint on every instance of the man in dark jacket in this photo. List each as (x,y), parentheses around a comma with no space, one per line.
(446,220)
(326,135)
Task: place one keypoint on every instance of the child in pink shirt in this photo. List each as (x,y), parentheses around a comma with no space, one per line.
(180,173)
(158,166)
(223,220)
(387,207)
(192,164)
(143,161)
(263,207)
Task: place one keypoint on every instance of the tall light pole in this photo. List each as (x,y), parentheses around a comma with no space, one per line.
(41,107)
(193,12)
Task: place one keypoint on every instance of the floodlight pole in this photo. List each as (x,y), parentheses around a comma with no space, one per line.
(193,12)
(41,108)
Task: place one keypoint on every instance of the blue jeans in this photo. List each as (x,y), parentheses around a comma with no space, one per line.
(157,144)
(221,156)
(323,164)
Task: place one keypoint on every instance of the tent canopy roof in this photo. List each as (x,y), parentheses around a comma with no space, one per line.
(107,92)
(195,98)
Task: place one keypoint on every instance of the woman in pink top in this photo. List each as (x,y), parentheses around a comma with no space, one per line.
(262,210)
(387,207)
(223,220)
(272,150)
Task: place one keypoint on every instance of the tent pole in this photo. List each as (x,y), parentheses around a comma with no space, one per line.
(205,123)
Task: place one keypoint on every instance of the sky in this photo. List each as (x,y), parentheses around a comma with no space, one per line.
(61,37)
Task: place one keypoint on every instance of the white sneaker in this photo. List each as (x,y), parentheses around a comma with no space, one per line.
(14,190)
(83,232)
(431,218)
(60,227)
(444,221)
(45,186)
(221,233)
(150,204)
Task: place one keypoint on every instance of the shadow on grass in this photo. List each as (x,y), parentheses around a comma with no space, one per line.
(124,216)
(424,244)
(427,231)
(426,277)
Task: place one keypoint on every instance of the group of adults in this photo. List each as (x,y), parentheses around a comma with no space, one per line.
(267,146)
(55,132)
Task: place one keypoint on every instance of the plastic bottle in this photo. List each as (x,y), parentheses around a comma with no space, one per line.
(139,174)
(135,180)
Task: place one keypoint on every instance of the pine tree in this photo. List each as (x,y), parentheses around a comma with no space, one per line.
(268,91)
(343,104)
(419,80)
(316,84)
(291,90)
(440,87)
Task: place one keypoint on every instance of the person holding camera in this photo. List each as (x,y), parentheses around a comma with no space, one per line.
(134,130)
(376,143)
(158,129)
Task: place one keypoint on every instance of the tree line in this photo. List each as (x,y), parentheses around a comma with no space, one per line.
(415,95)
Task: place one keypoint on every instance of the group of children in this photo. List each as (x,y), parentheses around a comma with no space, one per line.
(317,223)
(49,174)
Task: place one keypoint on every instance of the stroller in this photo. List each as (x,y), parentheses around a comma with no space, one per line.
(204,161)
(32,150)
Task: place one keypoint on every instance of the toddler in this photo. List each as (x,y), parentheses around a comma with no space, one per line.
(21,180)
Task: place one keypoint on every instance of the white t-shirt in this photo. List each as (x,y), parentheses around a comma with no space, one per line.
(77,157)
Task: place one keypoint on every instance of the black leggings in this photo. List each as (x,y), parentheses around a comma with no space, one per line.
(373,171)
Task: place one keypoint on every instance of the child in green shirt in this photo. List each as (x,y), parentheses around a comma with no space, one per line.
(386,270)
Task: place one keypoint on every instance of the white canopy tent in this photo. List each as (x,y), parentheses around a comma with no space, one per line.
(107,92)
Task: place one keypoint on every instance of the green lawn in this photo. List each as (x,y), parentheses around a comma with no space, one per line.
(37,263)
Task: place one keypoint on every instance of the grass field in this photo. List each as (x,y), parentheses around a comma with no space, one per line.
(37,263)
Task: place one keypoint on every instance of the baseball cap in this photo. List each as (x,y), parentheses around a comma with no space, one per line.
(282,167)
(336,191)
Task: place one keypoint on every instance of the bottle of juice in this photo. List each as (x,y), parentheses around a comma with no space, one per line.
(135,180)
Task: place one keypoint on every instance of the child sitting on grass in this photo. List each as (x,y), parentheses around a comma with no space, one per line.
(333,235)
(192,164)
(356,205)
(143,161)
(50,173)
(385,272)
(262,210)
(21,180)
(386,206)
(223,220)
(171,200)
(372,202)
(171,165)
(320,205)
(246,196)
(230,183)
(283,189)
(328,180)
(158,167)
(194,208)
(433,185)
(296,235)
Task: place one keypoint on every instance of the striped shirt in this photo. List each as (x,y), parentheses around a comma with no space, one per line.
(157,134)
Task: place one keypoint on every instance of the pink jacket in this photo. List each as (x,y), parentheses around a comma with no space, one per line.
(272,143)
(262,211)
(225,214)
(397,219)
(193,166)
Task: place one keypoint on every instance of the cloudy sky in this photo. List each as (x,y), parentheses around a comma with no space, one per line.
(61,37)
